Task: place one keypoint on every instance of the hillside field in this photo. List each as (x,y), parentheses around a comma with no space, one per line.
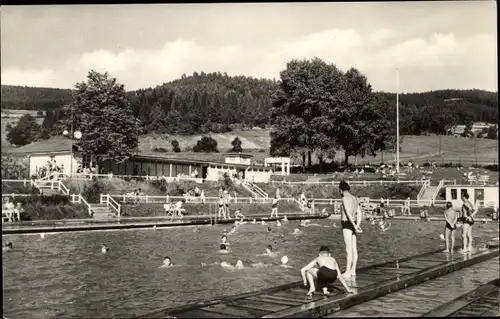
(256,142)
(417,148)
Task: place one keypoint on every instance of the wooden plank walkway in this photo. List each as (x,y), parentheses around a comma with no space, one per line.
(481,302)
(371,282)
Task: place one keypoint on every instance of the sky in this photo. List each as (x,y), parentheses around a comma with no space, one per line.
(435,45)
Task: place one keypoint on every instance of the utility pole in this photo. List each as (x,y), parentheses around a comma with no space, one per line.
(397,121)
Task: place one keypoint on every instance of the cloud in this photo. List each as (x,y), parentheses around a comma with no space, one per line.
(433,62)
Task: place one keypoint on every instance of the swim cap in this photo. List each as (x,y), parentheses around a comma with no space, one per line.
(268,228)
(239,263)
(284,260)
(222,247)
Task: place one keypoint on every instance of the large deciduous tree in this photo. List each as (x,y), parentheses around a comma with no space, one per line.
(299,115)
(102,112)
(319,108)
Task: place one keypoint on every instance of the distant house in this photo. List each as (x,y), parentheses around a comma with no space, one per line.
(59,150)
(458,130)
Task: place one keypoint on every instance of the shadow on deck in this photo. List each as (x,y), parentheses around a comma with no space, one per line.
(371,282)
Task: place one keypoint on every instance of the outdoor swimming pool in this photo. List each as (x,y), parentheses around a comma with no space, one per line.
(66,275)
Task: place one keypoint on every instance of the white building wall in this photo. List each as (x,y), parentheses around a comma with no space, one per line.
(490,194)
(258,175)
(217,173)
(238,160)
(39,161)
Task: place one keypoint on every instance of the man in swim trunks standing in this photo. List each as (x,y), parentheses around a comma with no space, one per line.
(451,217)
(326,273)
(350,227)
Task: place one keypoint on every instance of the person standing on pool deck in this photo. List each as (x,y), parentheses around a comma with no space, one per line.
(326,273)
(451,217)
(350,227)
(468,212)
(221,212)
(274,208)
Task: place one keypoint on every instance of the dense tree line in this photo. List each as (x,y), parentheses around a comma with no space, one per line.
(34,98)
(214,102)
(202,103)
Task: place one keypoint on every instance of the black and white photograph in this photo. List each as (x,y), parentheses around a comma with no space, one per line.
(250,160)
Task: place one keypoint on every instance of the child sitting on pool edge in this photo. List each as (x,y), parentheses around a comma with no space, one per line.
(327,272)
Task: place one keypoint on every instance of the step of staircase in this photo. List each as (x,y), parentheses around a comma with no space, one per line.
(48,191)
(428,193)
(102,211)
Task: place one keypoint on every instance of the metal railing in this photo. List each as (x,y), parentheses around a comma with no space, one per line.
(111,202)
(25,182)
(148,199)
(78,198)
(145,177)
(438,188)
(421,193)
(256,189)
(364,183)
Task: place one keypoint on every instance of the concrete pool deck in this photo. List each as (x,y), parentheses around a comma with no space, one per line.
(34,227)
(371,282)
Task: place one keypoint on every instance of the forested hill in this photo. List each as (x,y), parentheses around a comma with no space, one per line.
(211,101)
(204,102)
(33,98)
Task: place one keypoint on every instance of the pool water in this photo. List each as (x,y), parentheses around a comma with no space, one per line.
(66,275)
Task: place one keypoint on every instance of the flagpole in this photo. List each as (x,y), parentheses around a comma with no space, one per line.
(397,121)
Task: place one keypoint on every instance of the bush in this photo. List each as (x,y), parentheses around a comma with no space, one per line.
(14,167)
(39,211)
(160,150)
(43,200)
(236,143)
(19,188)
(175,146)
(493,167)
(206,144)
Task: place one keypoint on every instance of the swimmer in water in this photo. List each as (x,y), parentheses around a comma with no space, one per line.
(269,229)
(278,223)
(296,231)
(8,246)
(239,264)
(325,270)
(269,251)
(254,221)
(263,223)
(223,240)
(223,248)
(167,262)
(232,231)
(451,217)
(239,215)
(104,249)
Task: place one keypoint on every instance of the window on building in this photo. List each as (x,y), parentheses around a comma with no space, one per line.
(85,160)
(463,192)
(478,194)
(453,192)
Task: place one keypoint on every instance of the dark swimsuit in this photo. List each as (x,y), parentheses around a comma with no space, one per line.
(467,214)
(449,226)
(326,276)
(348,225)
